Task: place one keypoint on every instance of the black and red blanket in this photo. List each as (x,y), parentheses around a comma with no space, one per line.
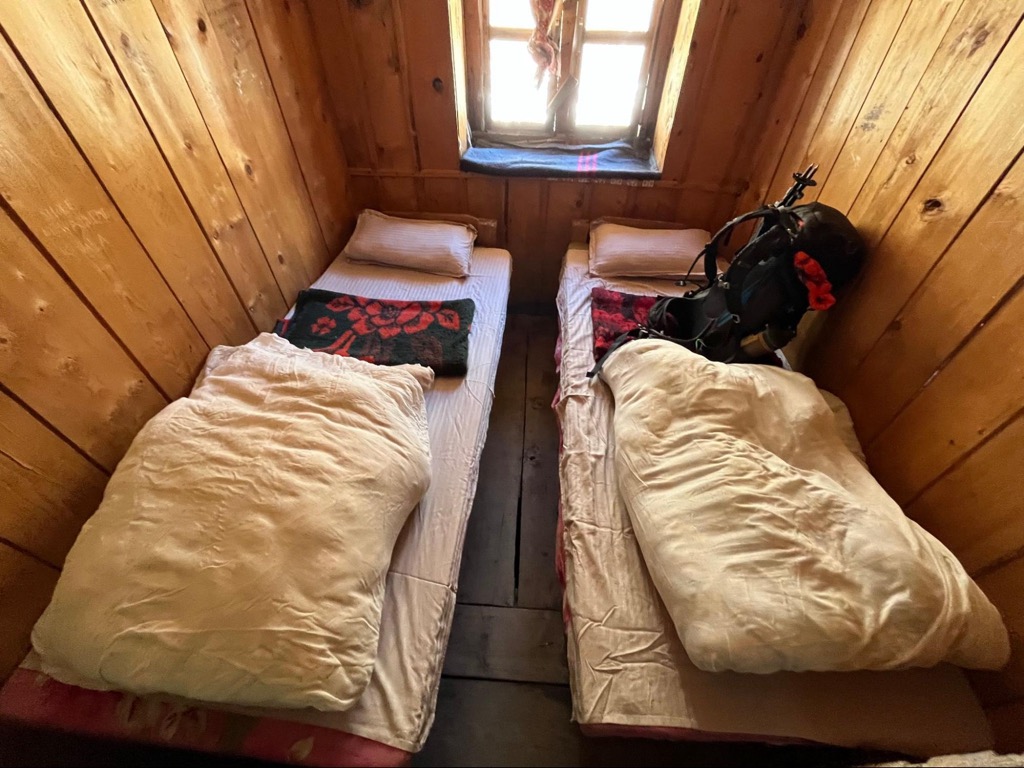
(614,313)
(383,331)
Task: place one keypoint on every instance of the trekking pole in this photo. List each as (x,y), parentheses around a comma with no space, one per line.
(800,182)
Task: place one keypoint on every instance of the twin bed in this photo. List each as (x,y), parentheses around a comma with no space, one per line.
(629,673)
(394,714)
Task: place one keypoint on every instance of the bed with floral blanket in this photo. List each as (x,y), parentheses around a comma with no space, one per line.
(628,670)
(392,717)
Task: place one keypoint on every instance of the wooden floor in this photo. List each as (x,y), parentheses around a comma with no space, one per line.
(504,698)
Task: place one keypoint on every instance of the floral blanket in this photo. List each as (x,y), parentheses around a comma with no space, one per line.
(614,313)
(383,331)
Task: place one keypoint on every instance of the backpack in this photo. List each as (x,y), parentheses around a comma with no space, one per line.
(796,258)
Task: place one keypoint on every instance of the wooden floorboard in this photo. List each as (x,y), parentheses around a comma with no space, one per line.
(516,644)
(538,516)
(487,575)
(483,722)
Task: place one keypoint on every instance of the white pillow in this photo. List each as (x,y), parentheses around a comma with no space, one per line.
(620,251)
(439,247)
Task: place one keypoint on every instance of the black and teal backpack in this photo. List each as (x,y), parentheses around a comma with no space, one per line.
(798,256)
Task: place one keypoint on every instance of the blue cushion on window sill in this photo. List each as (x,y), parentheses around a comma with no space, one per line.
(616,159)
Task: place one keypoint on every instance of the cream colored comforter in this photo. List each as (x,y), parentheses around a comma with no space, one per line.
(241,549)
(627,667)
(769,541)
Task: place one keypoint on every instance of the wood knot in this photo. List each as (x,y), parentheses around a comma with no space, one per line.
(932,204)
(801,31)
(896,325)
(201,23)
(438,84)
(248,169)
(910,159)
(760,56)
(979,40)
(280,258)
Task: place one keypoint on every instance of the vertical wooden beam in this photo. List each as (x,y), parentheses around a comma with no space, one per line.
(773,184)
(751,37)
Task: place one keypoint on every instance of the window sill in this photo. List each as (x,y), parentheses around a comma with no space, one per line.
(614,160)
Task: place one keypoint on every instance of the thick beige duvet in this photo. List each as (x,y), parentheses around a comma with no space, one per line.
(241,548)
(770,543)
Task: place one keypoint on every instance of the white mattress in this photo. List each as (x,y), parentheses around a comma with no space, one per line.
(627,665)
(397,708)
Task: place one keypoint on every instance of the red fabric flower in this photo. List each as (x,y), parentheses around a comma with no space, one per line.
(345,302)
(323,325)
(447,318)
(811,274)
(389,320)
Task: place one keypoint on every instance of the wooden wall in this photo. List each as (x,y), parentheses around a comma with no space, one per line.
(390,74)
(170,176)
(914,110)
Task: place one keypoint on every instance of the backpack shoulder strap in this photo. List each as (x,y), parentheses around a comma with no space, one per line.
(750,256)
(721,237)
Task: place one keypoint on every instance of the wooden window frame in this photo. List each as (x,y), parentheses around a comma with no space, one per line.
(658,42)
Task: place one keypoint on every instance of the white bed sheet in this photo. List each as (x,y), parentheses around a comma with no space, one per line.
(627,666)
(397,708)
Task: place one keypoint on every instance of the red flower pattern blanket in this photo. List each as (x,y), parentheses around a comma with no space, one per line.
(614,313)
(383,331)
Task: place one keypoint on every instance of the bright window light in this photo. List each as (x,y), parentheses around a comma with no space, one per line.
(609,79)
(511,14)
(515,97)
(615,15)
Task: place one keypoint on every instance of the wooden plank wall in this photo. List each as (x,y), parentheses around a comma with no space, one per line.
(170,176)
(391,78)
(913,109)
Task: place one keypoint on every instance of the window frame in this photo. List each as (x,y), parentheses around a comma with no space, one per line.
(572,35)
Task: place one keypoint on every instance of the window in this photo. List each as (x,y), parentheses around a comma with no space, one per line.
(607,64)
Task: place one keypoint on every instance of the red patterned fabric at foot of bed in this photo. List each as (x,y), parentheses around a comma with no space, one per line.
(34,699)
